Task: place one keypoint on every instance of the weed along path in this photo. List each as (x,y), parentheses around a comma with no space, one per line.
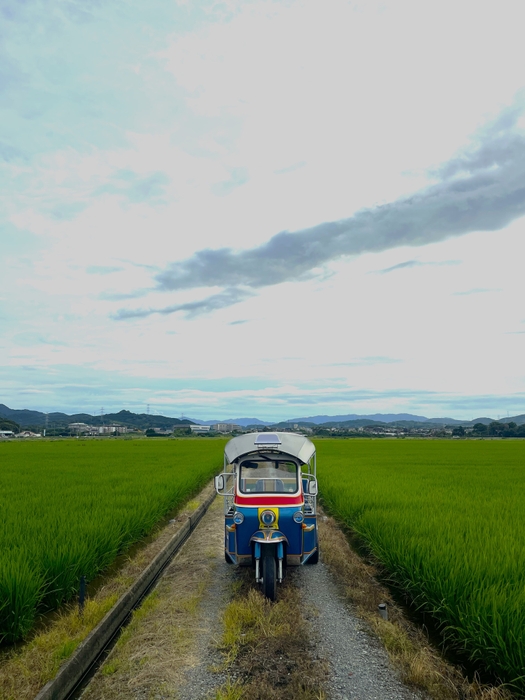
(206,632)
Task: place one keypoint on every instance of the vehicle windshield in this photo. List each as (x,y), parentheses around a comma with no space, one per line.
(268,477)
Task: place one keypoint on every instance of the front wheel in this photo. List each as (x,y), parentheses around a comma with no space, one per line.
(269,573)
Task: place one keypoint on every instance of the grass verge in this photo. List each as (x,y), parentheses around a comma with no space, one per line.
(266,647)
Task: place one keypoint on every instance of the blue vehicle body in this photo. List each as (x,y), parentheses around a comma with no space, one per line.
(269,487)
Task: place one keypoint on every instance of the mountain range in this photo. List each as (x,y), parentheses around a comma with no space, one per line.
(27,418)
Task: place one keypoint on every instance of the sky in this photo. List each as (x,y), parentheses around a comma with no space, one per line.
(270,209)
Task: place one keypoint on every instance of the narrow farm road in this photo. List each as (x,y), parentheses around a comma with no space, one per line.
(359,667)
(175,646)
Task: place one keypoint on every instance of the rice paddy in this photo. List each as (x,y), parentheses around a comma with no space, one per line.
(447,520)
(69,507)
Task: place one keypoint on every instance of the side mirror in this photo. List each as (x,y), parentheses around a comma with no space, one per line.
(219,483)
(313,488)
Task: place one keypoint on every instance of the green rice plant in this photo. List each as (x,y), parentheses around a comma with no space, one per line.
(20,593)
(69,507)
(447,520)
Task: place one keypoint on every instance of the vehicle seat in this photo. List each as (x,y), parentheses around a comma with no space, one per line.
(277,486)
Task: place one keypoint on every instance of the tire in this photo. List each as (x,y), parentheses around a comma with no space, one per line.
(269,573)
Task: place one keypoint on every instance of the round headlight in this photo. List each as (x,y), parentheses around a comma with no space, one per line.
(298,516)
(238,518)
(268,517)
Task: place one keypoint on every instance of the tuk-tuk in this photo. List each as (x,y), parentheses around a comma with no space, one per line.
(269,486)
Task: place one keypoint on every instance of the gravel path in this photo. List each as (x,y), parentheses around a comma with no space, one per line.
(199,680)
(359,666)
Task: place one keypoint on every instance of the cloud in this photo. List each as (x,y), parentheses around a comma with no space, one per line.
(9,153)
(290,168)
(66,211)
(32,338)
(228,297)
(121,296)
(498,149)
(238,177)
(476,290)
(481,190)
(415,263)
(102,269)
(366,361)
(399,266)
(136,188)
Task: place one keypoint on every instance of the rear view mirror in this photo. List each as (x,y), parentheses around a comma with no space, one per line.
(312,488)
(219,483)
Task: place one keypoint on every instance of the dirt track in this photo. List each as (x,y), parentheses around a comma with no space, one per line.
(173,650)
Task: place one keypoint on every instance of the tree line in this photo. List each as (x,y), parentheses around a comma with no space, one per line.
(494,429)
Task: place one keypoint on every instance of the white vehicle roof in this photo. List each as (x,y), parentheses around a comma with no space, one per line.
(290,443)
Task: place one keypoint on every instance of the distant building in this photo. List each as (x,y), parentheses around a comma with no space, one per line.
(6,433)
(80,427)
(28,433)
(200,428)
(225,427)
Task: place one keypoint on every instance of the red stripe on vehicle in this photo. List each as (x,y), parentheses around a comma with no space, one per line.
(267,500)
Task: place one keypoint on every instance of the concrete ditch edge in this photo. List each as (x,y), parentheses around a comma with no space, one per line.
(71,673)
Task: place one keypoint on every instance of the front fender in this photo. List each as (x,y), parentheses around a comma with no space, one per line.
(268,537)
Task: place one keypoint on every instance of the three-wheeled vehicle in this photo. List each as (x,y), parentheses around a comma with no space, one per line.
(269,486)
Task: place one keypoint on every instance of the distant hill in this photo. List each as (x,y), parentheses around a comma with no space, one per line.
(287,424)
(485,421)
(519,420)
(245,422)
(6,424)
(142,421)
(26,418)
(406,419)
(376,418)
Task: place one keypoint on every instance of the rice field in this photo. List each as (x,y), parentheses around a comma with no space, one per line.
(447,520)
(69,507)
